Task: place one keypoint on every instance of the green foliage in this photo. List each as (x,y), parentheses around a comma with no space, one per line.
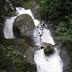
(12,60)
(64,30)
(55,9)
(7,55)
(3,71)
(64,33)
(20,2)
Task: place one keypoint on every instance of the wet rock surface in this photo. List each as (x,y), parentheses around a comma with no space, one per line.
(24,28)
(66,59)
(48,48)
(34,6)
(29,55)
(23,24)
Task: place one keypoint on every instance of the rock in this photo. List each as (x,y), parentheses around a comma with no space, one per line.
(7,9)
(24,28)
(45,45)
(48,51)
(30,41)
(23,25)
(35,8)
(48,48)
(66,58)
(29,55)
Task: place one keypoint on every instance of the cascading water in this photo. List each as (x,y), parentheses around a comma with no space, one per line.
(8,30)
(52,63)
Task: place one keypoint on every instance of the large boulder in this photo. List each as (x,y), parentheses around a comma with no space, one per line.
(48,48)
(24,28)
(23,24)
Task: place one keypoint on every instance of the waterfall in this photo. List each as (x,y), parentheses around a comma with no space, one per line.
(8,28)
(52,63)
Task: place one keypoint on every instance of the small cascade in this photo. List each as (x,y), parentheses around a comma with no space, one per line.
(8,28)
(52,63)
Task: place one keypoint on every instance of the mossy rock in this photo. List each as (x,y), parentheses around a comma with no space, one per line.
(48,48)
(48,51)
(23,25)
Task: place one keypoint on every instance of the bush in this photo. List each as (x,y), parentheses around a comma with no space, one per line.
(12,60)
(64,30)
(8,55)
(55,9)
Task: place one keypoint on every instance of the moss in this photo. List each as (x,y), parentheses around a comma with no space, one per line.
(49,50)
(25,66)
(18,44)
(16,32)
(12,60)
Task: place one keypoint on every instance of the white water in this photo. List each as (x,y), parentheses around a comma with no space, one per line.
(52,63)
(8,30)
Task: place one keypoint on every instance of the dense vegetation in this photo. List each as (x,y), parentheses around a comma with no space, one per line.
(11,60)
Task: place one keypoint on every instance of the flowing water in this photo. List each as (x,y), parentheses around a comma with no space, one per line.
(52,63)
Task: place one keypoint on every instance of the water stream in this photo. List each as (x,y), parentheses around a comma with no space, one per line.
(52,63)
